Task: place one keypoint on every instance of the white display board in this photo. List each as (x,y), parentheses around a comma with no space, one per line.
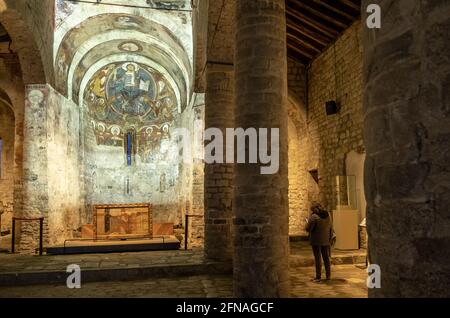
(345,223)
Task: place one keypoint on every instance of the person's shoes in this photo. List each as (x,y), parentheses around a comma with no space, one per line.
(316,280)
(328,279)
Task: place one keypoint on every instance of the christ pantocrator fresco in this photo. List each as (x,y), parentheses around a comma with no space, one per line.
(124,96)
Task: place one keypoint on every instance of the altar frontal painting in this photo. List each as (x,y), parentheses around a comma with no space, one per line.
(124,97)
(122,221)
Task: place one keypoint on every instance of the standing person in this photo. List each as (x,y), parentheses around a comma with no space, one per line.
(319,227)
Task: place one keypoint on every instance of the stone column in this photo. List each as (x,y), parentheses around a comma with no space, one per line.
(261,267)
(219,176)
(407,129)
(35,183)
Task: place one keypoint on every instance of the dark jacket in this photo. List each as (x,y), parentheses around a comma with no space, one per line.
(319,227)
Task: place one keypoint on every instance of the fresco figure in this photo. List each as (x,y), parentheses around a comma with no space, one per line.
(132,93)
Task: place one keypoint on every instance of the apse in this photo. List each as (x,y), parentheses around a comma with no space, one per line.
(129,75)
(131,156)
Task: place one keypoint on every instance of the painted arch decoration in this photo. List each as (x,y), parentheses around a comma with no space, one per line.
(108,34)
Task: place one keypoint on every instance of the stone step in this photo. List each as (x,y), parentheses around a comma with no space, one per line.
(88,246)
(302,261)
(116,274)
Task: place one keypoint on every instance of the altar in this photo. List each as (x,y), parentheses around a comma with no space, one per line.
(122,221)
(120,228)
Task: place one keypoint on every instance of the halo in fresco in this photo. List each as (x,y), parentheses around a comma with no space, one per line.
(128,95)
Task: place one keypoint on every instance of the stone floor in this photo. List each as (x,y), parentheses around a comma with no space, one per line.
(27,263)
(348,281)
(198,281)
(301,255)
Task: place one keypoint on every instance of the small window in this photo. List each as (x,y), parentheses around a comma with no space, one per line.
(130,147)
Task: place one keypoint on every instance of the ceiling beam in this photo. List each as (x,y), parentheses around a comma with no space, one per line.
(335,9)
(308,56)
(312,25)
(304,43)
(350,4)
(302,18)
(308,6)
(308,33)
(298,57)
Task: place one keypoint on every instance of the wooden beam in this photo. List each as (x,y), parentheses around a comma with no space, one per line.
(334,9)
(333,20)
(299,58)
(304,43)
(350,4)
(332,33)
(308,33)
(306,55)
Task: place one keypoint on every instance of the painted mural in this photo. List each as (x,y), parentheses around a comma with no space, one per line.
(124,97)
(102,23)
(63,9)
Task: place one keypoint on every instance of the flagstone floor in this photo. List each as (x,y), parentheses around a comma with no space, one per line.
(348,282)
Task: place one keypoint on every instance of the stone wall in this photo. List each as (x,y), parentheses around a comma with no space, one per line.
(63,168)
(12,88)
(296,74)
(7,134)
(300,189)
(31,26)
(298,149)
(335,75)
(296,180)
(51,169)
(35,183)
(197,208)
(407,129)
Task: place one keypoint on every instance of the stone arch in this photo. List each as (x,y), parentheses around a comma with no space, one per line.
(4,98)
(12,92)
(24,45)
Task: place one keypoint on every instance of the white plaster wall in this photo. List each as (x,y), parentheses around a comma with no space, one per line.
(64,199)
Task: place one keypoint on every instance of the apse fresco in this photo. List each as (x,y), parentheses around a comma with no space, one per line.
(90,28)
(124,97)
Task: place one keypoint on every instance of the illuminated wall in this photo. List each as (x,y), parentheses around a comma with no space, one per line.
(131,152)
(6,164)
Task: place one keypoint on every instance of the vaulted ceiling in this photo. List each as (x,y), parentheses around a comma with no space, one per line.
(312,25)
(86,41)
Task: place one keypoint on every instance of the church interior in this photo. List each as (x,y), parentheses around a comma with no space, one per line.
(104,109)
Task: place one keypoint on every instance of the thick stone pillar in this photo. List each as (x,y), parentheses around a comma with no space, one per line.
(407,129)
(261,267)
(35,183)
(219,176)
